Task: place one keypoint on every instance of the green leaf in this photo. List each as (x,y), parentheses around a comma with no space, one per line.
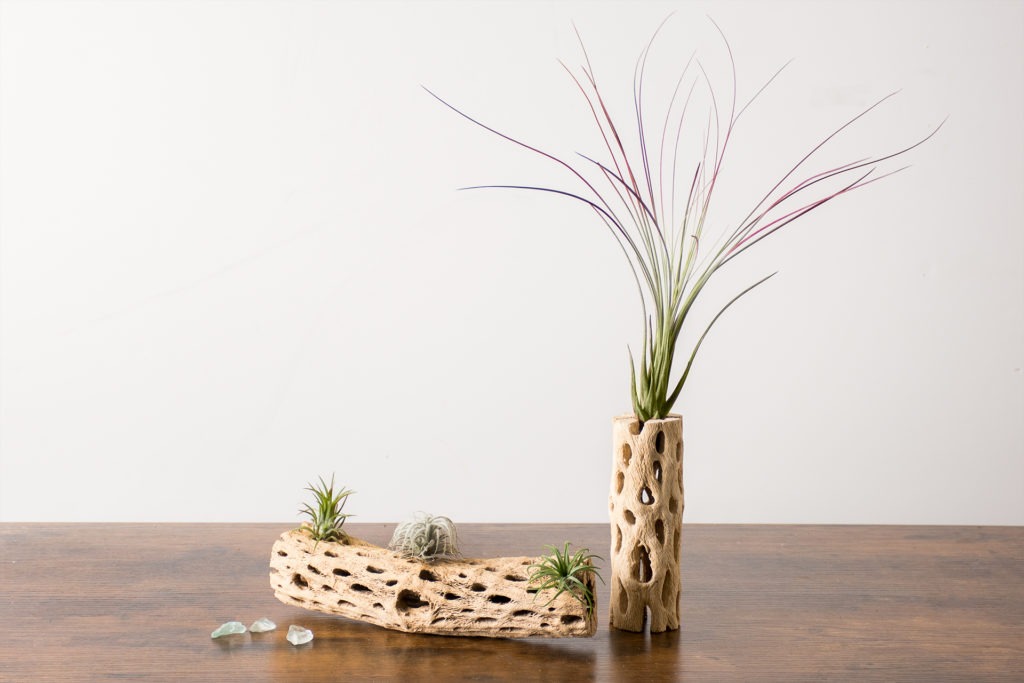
(632,383)
(671,400)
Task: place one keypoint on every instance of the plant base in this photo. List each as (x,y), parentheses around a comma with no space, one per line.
(487,597)
(646,511)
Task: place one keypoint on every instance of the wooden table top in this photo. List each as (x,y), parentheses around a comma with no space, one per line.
(84,602)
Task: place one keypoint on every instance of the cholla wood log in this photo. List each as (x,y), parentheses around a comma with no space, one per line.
(486,597)
(646,510)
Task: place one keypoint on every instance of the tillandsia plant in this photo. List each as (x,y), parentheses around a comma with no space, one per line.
(325,515)
(656,205)
(427,537)
(565,573)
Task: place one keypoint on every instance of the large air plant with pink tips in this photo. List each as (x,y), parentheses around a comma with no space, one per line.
(656,206)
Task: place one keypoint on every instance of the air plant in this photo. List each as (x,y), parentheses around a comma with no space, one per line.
(656,207)
(325,515)
(565,573)
(427,537)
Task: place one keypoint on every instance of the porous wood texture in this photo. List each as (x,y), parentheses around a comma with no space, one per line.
(485,597)
(646,511)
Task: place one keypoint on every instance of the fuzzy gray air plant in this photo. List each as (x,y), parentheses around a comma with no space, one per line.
(427,537)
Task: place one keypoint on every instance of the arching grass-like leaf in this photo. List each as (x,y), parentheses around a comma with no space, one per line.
(631,193)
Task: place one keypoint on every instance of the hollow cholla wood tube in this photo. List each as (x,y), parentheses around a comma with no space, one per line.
(491,597)
(646,511)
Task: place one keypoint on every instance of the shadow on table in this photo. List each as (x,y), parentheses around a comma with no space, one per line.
(348,650)
(647,656)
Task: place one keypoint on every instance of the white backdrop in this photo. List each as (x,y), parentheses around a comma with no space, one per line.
(233,258)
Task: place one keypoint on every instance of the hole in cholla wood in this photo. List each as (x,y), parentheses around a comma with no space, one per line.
(641,560)
(409,600)
(646,497)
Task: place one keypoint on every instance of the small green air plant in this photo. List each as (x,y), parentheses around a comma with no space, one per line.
(325,515)
(658,216)
(565,573)
(427,537)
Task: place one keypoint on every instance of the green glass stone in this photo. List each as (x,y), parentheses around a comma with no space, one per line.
(298,635)
(228,629)
(261,625)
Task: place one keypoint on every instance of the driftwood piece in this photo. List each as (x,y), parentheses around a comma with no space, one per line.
(646,510)
(487,597)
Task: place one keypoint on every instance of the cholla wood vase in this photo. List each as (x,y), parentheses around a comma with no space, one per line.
(646,510)
(487,597)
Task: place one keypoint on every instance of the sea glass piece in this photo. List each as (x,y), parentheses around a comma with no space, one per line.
(228,629)
(262,624)
(298,635)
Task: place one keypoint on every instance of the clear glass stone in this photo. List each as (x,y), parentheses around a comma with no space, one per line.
(228,629)
(261,625)
(298,635)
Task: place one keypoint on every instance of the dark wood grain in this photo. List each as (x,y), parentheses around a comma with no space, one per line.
(84,602)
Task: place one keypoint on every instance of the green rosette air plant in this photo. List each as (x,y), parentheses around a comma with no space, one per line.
(565,572)
(325,514)
(655,201)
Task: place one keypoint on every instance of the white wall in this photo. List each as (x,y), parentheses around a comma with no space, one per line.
(232,258)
